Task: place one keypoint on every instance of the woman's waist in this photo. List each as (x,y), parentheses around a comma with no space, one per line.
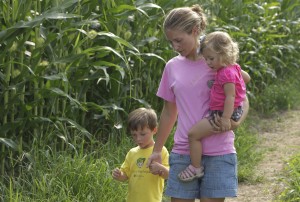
(217,144)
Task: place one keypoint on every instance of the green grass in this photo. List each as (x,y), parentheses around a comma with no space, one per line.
(292,181)
(68,177)
(61,86)
(283,95)
(248,156)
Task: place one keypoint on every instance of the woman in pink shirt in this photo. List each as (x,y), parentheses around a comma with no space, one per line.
(185,91)
(226,96)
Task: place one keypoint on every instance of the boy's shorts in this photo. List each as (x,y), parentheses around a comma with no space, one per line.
(219,180)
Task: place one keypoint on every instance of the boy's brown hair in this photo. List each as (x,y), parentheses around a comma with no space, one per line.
(142,117)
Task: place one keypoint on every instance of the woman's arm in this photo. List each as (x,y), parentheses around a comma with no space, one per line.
(166,122)
(246,76)
(234,124)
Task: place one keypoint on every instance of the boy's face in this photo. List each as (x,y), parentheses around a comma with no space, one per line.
(143,137)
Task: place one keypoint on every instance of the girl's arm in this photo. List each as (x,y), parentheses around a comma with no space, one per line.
(234,125)
(229,90)
(166,123)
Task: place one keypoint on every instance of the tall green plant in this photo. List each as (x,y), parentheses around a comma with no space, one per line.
(266,33)
(71,70)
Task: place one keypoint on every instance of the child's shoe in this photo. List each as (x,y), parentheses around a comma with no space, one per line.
(190,173)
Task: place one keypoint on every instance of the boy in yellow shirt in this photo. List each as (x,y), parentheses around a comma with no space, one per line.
(145,183)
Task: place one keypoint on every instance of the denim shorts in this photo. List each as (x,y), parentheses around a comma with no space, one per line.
(219,180)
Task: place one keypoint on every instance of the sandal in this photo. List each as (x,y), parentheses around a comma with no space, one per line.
(190,173)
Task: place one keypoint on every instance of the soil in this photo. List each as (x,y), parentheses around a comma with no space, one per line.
(279,140)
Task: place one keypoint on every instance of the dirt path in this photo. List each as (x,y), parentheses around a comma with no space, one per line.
(279,139)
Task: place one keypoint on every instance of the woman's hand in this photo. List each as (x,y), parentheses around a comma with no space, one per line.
(155,157)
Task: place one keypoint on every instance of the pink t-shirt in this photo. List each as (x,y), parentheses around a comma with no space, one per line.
(229,74)
(185,82)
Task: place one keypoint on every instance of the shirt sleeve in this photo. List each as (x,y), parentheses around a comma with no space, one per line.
(165,90)
(227,75)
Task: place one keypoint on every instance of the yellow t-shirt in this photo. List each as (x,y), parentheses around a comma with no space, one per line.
(142,185)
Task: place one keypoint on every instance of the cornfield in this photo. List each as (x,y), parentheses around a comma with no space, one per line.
(71,70)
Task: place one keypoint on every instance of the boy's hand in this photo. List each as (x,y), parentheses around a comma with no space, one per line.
(155,168)
(155,157)
(117,174)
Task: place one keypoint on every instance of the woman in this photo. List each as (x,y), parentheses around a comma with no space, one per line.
(184,87)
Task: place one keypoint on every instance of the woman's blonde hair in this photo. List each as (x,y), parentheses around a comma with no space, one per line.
(185,19)
(222,44)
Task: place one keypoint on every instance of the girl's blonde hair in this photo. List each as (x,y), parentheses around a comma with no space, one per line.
(222,44)
(185,19)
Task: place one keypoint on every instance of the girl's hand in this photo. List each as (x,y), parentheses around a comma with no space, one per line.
(216,123)
(225,124)
(220,125)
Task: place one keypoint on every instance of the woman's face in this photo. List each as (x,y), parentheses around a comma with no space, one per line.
(183,43)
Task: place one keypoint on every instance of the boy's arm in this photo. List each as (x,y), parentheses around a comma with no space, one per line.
(119,175)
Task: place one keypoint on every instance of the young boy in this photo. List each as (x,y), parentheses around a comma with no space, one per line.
(145,183)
